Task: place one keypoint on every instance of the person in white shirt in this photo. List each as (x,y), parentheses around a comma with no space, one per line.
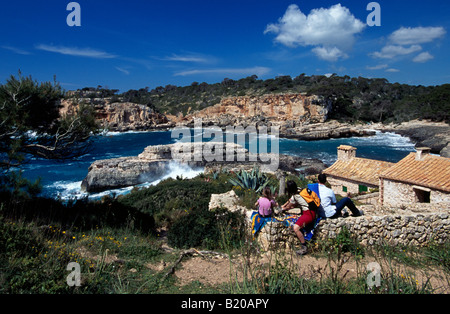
(332,208)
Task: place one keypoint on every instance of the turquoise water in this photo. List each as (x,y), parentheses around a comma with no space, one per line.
(63,179)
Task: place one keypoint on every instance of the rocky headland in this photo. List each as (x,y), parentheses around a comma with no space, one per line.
(120,116)
(296,115)
(155,161)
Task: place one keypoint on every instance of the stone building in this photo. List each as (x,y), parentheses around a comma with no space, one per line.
(351,174)
(418,178)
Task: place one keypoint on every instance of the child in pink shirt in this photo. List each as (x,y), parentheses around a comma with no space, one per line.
(266,203)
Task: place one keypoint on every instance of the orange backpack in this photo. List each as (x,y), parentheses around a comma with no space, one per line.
(311,198)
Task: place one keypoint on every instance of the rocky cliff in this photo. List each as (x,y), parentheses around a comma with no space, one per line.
(254,110)
(120,116)
(298,116)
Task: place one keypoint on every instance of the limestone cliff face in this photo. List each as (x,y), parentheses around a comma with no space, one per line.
(267,108)
(120,116)
(129,116)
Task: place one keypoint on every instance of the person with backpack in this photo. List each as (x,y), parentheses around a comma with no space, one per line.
(309,203)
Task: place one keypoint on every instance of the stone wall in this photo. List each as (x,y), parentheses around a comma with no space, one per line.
(416,227)
(337,185)
(410,229)
(400,193)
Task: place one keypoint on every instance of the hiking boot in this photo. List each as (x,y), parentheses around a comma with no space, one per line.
(303,250)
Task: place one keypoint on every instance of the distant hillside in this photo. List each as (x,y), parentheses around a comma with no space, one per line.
(354,99)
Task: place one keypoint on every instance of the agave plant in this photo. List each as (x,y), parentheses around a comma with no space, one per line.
(255,180)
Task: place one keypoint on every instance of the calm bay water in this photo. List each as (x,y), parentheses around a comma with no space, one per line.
(63,179)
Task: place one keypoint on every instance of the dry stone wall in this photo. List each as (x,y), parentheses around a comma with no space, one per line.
(408,230)
(416,229)
(391,228)
(417,225)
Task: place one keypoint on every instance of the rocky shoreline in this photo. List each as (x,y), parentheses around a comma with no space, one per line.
(155,161)
(297,116)
(435,135)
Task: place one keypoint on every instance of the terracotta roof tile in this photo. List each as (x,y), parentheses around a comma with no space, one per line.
(359,169)
(432,171)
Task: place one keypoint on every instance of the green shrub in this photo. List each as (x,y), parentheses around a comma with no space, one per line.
(82,214)
(217,229)
(168,200)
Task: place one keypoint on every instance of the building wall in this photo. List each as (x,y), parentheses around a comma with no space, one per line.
(337,185)
(398,194)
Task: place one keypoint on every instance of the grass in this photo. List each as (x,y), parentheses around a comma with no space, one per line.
(120,261)
(120,257)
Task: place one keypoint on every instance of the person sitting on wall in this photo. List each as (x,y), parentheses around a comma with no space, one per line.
(331,208)
(266,203)
(308,215)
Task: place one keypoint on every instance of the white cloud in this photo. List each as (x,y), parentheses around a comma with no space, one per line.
(408,40)
(227,71)
(329,54)
(124,71)
(423,57)
(417,35)
(332,31)
(195,58)
(16,50)
(78,52)
(392,70)
(392,51)
(378,67)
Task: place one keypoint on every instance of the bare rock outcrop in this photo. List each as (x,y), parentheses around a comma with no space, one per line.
(129,116)
(270,108)
(155,161)
(298,116)
(119,116)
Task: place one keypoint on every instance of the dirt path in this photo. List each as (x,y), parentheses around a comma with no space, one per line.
(219,270)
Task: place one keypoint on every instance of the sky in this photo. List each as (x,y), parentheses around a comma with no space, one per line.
(136,44)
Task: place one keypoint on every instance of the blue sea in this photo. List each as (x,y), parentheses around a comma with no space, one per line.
(62,179)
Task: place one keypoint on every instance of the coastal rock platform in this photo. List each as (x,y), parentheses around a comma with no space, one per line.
(155,161)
